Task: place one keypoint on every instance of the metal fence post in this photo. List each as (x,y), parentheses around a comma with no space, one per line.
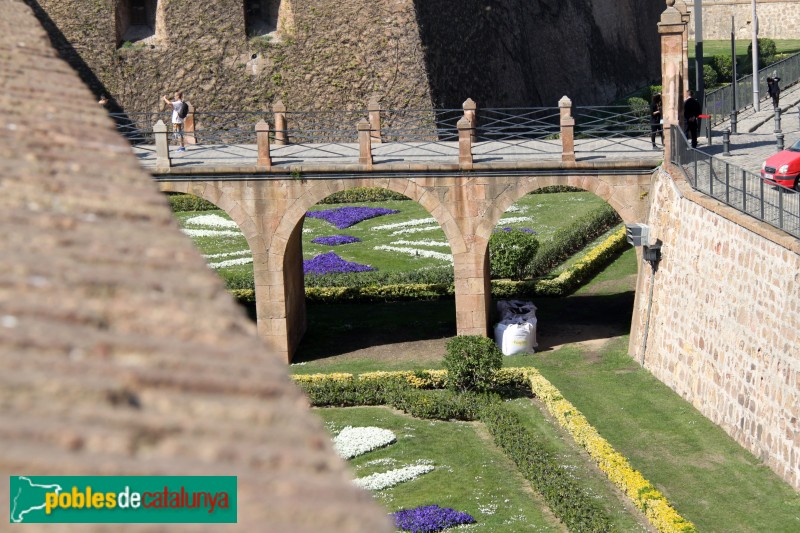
(374,109)
(744,190)
(779,143)
(262,139)
(726,142)
(777,120)
(734,119)
(780,207)
(279,110)
(761,182)
(364,143)
(162,145)
(465,133)
(727,184)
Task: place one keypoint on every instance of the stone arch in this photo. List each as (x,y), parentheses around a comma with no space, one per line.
(210,193)
(285,248)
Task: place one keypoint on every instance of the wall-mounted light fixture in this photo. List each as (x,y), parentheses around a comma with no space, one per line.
(639,235)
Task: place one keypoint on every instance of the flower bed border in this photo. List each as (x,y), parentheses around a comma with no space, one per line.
(661,514)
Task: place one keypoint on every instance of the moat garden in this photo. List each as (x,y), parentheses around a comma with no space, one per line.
(576,437)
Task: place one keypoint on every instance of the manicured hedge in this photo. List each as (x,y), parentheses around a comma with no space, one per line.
(568,240)
(561,285)
(404,391)
(188,202)
(363,194)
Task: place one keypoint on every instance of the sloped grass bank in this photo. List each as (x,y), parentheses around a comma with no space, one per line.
(716,483)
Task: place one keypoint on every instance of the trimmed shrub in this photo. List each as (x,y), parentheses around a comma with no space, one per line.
(564,494)
(188,202)
(510,252)
(441,404)
(363,194)
(724,67)
(428,276)
(566,241)
(710,76)
(639,106)
(471,362)
(550,189)
(767,50)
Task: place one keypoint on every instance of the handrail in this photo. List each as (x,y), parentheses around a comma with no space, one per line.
(719,102)
(737,187)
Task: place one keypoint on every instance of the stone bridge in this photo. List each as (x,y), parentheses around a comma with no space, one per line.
(467,205)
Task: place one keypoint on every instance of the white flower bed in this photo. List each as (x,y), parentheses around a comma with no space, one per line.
(227,254)
(211,233)
(231,262)
(214,221)
(413,230)
(424,242)
(354,441)
(384,480)
(416,252)
(406,224)
(513,220)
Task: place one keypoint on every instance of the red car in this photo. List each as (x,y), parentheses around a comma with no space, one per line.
(784,167)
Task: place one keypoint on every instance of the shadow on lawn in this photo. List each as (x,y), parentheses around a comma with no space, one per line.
(372,329)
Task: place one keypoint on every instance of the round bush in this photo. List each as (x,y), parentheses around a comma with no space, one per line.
(471,362)
(510,252)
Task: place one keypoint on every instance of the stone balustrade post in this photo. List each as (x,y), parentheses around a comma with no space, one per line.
(279,110)
(374,109)
(162,145)
(262,139)
(671,27)
(567,122)
(470,113)
(189,126)
(364,143)
(465,135)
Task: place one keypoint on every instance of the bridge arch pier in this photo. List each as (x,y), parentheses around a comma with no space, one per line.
(271,212)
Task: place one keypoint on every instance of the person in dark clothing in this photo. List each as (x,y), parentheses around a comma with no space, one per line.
(656,120)
(774,89)
(691,112)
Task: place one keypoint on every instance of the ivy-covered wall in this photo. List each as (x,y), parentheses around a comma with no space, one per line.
(338,53)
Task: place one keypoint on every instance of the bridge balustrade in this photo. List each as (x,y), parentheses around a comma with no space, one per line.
(743,190)
(400,135)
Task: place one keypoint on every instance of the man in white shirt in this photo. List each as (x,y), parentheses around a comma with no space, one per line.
(177,121)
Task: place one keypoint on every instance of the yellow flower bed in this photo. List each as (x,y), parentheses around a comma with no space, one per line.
(654,505)
(643,494)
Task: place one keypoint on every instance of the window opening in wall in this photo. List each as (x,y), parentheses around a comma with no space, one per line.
(136,21)
(261,17)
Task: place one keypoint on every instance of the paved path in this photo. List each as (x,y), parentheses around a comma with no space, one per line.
(394,155)
(756,139)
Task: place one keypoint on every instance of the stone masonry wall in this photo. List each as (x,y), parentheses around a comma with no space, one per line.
(778,19)
(338,53)
(724,328)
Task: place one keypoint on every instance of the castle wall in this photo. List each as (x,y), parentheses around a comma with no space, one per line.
(778,19)
(336,54)
(724,326)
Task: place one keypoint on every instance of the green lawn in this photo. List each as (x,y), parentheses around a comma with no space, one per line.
(478,480)
(714,48)
(544,213)
(710,479)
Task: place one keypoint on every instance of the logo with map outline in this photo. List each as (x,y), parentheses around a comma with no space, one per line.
(123,499)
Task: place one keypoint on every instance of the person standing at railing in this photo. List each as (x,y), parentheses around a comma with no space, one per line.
(656,120)
(691,112)
(774,89)
(177,119)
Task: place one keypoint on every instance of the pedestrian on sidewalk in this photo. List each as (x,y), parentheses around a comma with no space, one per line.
(179,110)
(774,89)
(656,120)
(691,112)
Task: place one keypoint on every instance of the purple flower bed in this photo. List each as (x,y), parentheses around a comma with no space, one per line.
(526,230)
(430,518)
(344,217)
(335,240)
(330,263)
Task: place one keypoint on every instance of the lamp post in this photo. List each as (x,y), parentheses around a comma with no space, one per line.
(756,105)
(699,83)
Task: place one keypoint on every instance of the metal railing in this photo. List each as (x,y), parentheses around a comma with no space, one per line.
(620,127)
(719,102)
(743,190)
